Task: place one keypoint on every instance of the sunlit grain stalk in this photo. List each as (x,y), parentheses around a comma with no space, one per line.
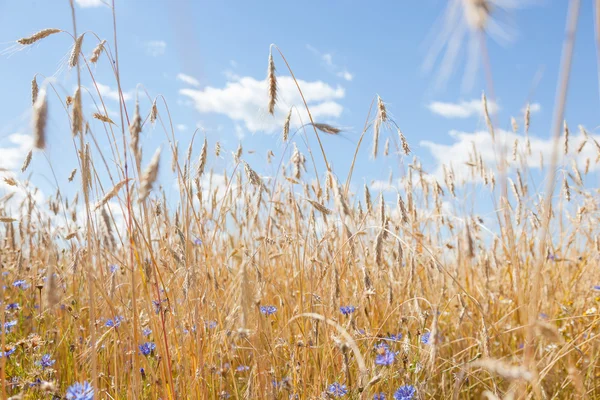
(44,33)
(40,116)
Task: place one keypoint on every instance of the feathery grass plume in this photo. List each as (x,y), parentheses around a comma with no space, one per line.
(97,52)
(576,173)
(477,13)
(402,208)
(515,149)
(72,174)
(86,170)
(379,119)
(44,33)
(252,176)
(149,176)
(368,202)
(238,153)
(5,219)
(74,59)
(175,158)
(319,207)
(34,90)
(566,137)
(202,160)
(486,113)
(103,118)
(404,143)
(298,161)
(378,248)
(502,369)
(135,128)
(513,124)
(110,194)
(39,119)
(77,113)
(386,148)
(153,112)
(339,198)
(326,128)
(272,81)
(217,149)
(566,189)
(106,229)
(286,126)
(27,161)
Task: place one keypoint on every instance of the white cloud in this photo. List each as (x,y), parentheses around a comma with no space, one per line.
(463,109)
(239,132)
(245,100)
(155,48)
(182,127)
(90,3)
(113,94)
(190,80)
(327,59)
(458,153)
(12,157)
(534,107)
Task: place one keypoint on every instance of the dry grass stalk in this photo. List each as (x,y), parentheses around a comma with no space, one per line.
(477,13)
(404,143)
(27,161)
(326,128)
(103,118)
(566,189)
(202,160)
(40,116)
(44,33)
(286,126)
(217,149)
(34,90)
(566,138)
(486,113)
(272,81)
(502,369)
(153,112)
(72,174)
(97,52)
(380,119)
(149,176)
(252,176)
(513,124)
(74,59)
(319,207)
(135,128)
(5,219)
(77,113)
(110,194)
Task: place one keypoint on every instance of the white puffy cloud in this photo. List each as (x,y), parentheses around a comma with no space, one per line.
(245,100)
(190,80)
(458,153)
(11,157)
(113,94)
(155,48)
(90,3)
(462,109)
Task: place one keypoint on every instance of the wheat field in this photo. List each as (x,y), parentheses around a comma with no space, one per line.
(300,285)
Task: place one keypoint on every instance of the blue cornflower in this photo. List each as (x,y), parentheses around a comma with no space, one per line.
(405,392)
(146,331)
(113,268)
(379,396)
(198,241)
(395,338)
(386,358)
(211,324)
(80,391)
(147,348)
(21,283)
(597,288)
(347,310)
(337,390)
(8,325)
(552,256)
(12,306)
(7,353)
(242,368)
(224,395)
(114,322)
(381,346)
(158,305)
(46,361)
(268,310)
(425,337)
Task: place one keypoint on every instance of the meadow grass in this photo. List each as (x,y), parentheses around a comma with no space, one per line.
(292,287)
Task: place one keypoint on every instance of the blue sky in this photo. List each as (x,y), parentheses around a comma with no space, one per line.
(209,60)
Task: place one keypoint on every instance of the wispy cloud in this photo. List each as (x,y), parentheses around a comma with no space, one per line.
(155,48)
(90,3)
(327,59)
(244,100)
(462,109)
(190,80)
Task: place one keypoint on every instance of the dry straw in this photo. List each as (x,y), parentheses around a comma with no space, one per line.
(40,116)
(97,52)
(286,126)
(44,33)
(202,160)
(149,176)
(34,90)
(74,59)
(272,81)
(103,118)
